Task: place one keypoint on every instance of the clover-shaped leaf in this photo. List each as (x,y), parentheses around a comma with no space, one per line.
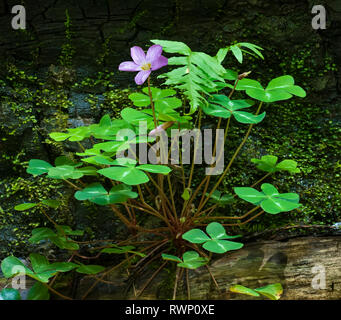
(73,134)
(216,241)
(190,260)
(41,265)
(107,129)
(162,98)
(65,171)
(59,239)
(96,193)
(281,88)
(131,174)
(223,107)
(42,269)
(270,199)
(269,163)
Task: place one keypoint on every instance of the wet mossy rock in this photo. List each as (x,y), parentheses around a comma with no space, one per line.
(295,263)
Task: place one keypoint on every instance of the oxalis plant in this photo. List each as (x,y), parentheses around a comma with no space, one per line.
(109,171)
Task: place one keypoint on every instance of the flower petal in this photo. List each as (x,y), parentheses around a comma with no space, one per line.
(129,66)
(159,63)
(142,76)
(138,55)
(153,53)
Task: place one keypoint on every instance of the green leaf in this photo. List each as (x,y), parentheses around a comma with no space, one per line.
(268,163)
(224,107)
(127,175)
(63,266)
(93,190)
(118,250)
(63,243)
(90,269)
(140,99)
(79,133)
(230,75)
(64,172)
(10,294)
(216,242)
(63,160)
(162,99)
(192,260)
(221,54)
(38,292)
(217,232)
(59,136)
(198,75)
(249,194)
(270,200)
(12,266)
(254,48)
(288,165)
(51,203)
(39,234)
(186,195)
(173,46)
(25,206)
(170,257)
(38,262)
(105,121)
(195,236)
(221,246)
(67,230)
(154,168)
(88,171)
(38,167)
(271,291)
(244,290)
(134,117)
(281,88)
(237,53)
(245,117)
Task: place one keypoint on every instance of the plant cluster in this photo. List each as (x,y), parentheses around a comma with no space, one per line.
(107,172)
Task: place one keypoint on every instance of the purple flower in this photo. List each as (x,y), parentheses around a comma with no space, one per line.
(144,63)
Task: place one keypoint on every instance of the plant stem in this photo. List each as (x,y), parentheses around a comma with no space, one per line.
(231,161)
(152,104)
(151,278)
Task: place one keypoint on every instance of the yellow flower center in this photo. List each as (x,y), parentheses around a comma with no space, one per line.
(146,66)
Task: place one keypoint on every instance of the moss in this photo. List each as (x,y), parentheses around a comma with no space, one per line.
(67,50)
(16,227)
(305,134)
